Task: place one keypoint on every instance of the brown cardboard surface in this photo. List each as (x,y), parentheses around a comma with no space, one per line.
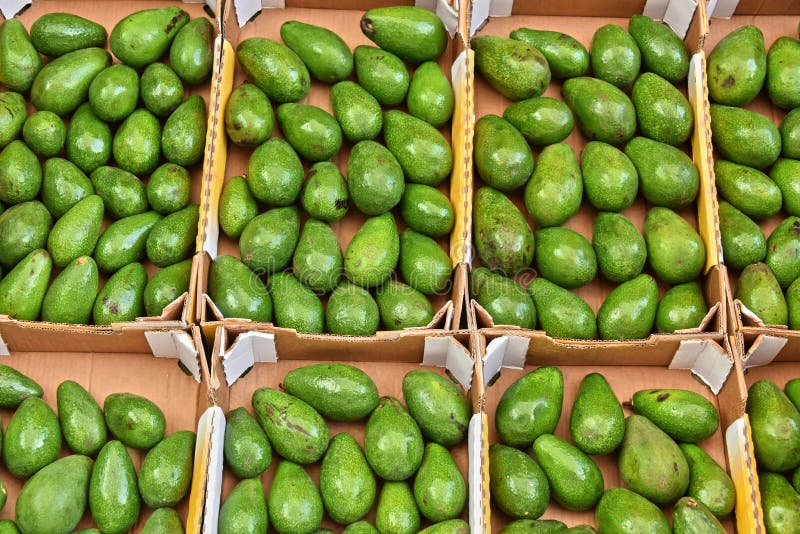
(14,332)
(387,370)
(625,380)
(488,101)
(346,24)
(772,28)
(768,7)
(161,380)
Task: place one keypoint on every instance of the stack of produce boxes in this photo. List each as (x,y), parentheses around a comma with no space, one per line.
(102,173)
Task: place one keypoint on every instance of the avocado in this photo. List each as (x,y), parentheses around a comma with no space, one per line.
(779,501)
(663,113)
(63,186)
(783,247)
(15,387)
(610,180)
(165,286)
(760,292)
(346,482)
(737,66)
(423,263)
(313,132)
(88,143)
(275,173)
(351,311)
(426,210)
(237,207)
(451,526)
(775,424)
(23,288)
(20,173)
(325,196)
(317,259)
(32,439)
(375,179)
(615,56)
(743,242)
(561,313)
(54,499)
(296,431)
(124,241)
(504,241)
(621,511)
(786,173)
(684,415)
(294,502)
(514,69)
(541,120)
(709,484)
(326,55)
(373,252)
(137,143)
(401,306)
(681,308)
(691,516)
(169,188)
(294,305)
(382,74)
(113,489)
(249,120)
(783,62)
(143,37)
(123,193)
(274,68)
(518,485)
(19,60)
(183,138)
(675,251)
(63,84)
(44,133)
(566,57)
(620,248)
(360,527)
(439,487)
(163,521)
(596,422)
(748,189)
(247,451)
(166,472)
(793,305)
(503,158)
(518,425)
(338,391)
(70,297)
(439,407)
(536,526)
(565,257)
(161,89)
(412,33)
(422,151)
(790,135)
(651,463)
(397,511)
(23,228)
(629,311)
(13,112)
(55,34)
(134,420)
(503,298)
(81,419)
(667,176)
(244,510)
(604,113)
(430,96)
(122,297)
(663,52)
(554,192)
(172,238)
(575,480)
(357,111)
(114,93)
(744,137)
(77,231)
(192,52)
(393,441)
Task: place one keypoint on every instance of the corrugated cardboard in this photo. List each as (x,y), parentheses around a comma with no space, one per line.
(686,347)
(182,398)
(121,337)
(385,364)
(625,379)
(344,20)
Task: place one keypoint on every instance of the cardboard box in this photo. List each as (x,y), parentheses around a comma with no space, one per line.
(183,399)
(146,334)
(504,362)
(246,19)
(700,348)
(242,363)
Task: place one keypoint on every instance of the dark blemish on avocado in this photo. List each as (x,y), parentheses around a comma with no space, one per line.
(367,26)
(662,397)
(675,467)
(340,204)
(796,227)
(175,20)
(730,81)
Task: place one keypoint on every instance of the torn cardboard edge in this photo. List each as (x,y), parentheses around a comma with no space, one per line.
(177,344)
(210,452)
(742,465)
(478,468)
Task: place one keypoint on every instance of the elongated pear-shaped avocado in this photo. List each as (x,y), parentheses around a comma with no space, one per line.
(294,305)
(294,503)
(24,287)
(603,112)
(555,190)
(192,52)
(55,34)
(566,57)
(401,306)
(274,68)
(684,415)
(780,502)
(326,55)
(575,480)
(682,307)
(503,238)
(317,259)
(337,391)
(629,311)
(63,84)
(143,37)
(70,297)
(518,425)
(596,422)
(675,251)
(247,450)
(412,33)
(375,179)
(620,248)
(244,511)
(346,481)
(19,60)
(760,292)
(775,423)
(561,313)
(743,242)
(439,487)
(503,298)
(621,511)
(373,252)
(518,485)
(744,137)
(113,489)
(393,441)
(708,482)
(439,407)
(737,67)
(32,439)
(514,69)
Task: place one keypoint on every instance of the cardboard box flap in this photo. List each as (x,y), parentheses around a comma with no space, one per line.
(504,351)
(4,348)
(722,9)
(478,472)
(175,344)
(763,350)
(742,462)
(249,348)
(706,359)
(678,15)
(448,353)
(208,465)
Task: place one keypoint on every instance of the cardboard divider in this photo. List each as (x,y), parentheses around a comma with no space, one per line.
(385,364)
(182,398)
(17,335)
(456,62)
(702,215)
(760,344)
(626,376)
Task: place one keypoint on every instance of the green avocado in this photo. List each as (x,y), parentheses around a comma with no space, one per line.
(375,180)
(603,112)
(169,188)
(76,233)
(166,472)
(172,238)
(137,143)
(237,207)
(743,242)
(430,96)
(422,151)
(338,391)
(351,311)
(143,37)
(439,487)
(20,173)
(165,286)
(55,34)
(621,511)
(113,489)
(63,84)
(274,68)
(244,510)
(13,112)
(124,241)
(667,176)
(514,69)
(134,420)
(19,60)
(382,74)
(247,451)
(744,137)
(192,52)
(503,298)
(23,288)
(122,298)
(357,111)
(737,67)
(401,306)
(268,241)
(70,297)
(503,157)
(684,415)
(397,511)
(518,485)
(748,189)
(565,257)
(779,501)
(783,247)
(610,180)
(44,133)
(123,193)
(615,56)
(426,210)
(709,483)
(662,111)
(237,291)
(620,248)
(294,305)
(372,254)
(249,120)
(425,266)
(575,480)
(682,307)
(23,228)
(438,405)
(393,441)
(346,482)
(760,292)
(775,424)
(32,439)
(114,93)
(518,425)
(675,251)
(183,138)
(88,143)
(275,173)
(412,33)
(81,419)
(541,120)
(325,196)
(566,57)
(555,190)
(326,55)
(596,422)
(313,132)
(786,173)
(161,89)
(663,52)
(504,241)
(561,313)
(317,259)
(294,502)
(629,311)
